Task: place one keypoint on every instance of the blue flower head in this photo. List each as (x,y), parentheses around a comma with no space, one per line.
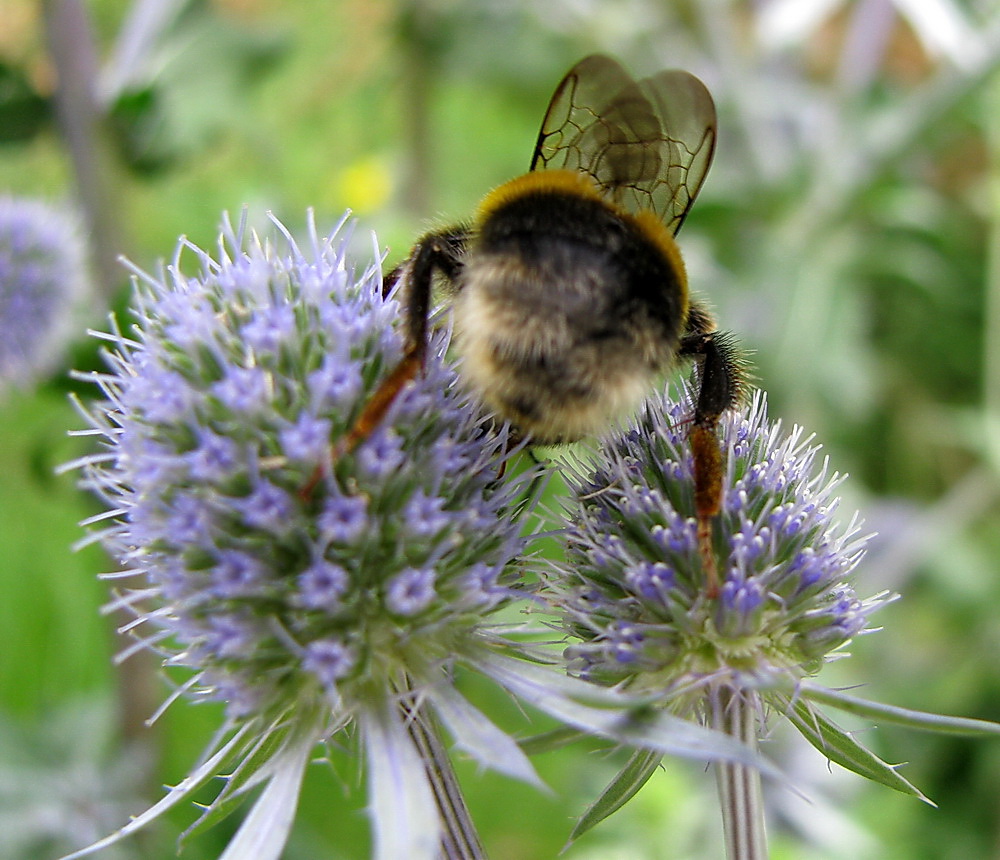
(42,279)
(306,591)
(641,617)
(633,595)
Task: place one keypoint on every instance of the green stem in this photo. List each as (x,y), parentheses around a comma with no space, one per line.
(459,840)
(736,713)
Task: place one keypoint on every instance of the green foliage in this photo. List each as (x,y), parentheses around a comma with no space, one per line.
(23,111)
(202,88)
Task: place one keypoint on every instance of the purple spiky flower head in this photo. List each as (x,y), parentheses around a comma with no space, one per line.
(307,591)
(633,593)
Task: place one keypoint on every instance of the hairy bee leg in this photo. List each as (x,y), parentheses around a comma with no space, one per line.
(373,413)
(708,469)
(720,383)
(514,438)
(390,279)
(441,251)
(432,252)
(437,251)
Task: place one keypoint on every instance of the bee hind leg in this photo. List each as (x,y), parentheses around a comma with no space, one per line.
(721,379)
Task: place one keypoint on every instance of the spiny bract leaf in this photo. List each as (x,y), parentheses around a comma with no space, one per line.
(920,720)
(838,746)
(640,767)
(548,741)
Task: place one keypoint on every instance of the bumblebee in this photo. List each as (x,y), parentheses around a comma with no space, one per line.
(570,294)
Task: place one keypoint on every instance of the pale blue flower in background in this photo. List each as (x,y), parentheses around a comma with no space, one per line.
(43,280)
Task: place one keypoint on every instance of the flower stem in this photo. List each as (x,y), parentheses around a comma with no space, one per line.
(736,713)
(459,840)
(82,123)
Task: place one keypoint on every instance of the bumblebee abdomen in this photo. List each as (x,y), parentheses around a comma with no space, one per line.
(567,309)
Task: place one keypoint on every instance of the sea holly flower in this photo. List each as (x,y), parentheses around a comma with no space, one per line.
(638,601)
(634,602)
(312,593)
(42,280)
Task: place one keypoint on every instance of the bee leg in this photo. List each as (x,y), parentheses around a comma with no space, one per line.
(515,438)
(419,271)
(437,251)
(390,279)
(720,387)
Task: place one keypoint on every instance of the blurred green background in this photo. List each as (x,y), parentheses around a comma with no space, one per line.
(848,232)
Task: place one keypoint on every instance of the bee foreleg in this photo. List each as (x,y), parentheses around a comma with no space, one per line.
(435,252)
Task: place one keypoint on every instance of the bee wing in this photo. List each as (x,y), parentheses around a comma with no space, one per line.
(647,144)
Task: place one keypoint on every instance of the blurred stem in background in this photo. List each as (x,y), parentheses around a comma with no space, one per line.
(82,126)
(416,46)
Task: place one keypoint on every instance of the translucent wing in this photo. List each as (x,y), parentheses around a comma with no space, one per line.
(647,144)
